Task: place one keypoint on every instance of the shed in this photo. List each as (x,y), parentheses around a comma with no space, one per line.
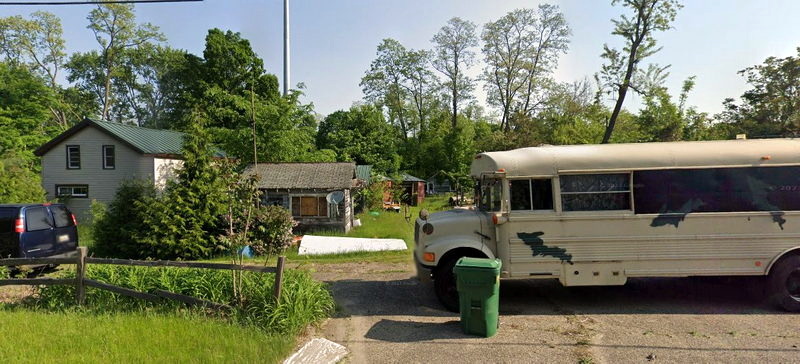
(319,195)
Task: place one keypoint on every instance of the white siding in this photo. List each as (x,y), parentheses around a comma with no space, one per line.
(165,169)
(102,183)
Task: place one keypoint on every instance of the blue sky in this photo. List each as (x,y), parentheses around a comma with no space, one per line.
(333,41)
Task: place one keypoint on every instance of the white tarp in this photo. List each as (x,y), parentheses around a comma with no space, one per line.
(314,245)
(318,351)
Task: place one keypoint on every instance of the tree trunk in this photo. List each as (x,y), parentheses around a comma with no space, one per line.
(106,93)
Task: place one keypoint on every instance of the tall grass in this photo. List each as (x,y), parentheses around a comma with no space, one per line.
(304,301)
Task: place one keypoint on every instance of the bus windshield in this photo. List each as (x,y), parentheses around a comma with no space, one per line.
(491,192)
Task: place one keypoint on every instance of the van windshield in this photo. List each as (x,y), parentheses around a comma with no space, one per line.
(491,191)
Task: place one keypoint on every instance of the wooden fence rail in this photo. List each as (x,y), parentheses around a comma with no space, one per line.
(81,260)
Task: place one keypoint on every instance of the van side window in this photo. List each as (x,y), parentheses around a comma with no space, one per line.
(36,218)
(531,194)
(596,192)
(61,216)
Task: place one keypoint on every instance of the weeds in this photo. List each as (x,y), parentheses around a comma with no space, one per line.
(303,301)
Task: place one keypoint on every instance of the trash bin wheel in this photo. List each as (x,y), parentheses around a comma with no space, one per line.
(444,282)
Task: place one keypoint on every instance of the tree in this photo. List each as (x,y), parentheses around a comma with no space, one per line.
(649,16)
(115,29)
(772,106)
(186,219)
(148,86)
(25,102)
(361,135)
(520,49)
(19,181)
(384,82)
(452,54)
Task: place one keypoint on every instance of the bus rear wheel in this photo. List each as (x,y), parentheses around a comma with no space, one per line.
(784,284)
(444,283)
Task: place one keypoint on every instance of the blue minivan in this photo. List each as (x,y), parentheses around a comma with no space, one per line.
(37,230)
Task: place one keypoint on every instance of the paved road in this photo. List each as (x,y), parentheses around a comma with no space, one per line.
(387,316)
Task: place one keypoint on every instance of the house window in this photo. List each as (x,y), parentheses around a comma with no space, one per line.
(73,157)
(596,192)
(314,206)
(109,158)
(79,191)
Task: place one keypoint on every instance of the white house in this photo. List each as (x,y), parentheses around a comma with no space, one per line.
(90,160)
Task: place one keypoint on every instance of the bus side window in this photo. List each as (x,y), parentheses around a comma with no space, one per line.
(542,194)
(531,194)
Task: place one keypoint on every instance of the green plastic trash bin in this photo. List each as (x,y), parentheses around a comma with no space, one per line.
(478,284)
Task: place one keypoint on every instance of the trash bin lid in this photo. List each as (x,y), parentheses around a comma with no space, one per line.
(478,263)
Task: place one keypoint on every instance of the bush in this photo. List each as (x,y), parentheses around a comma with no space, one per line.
(303,301)
(371,197)
(272,230)
(117,228)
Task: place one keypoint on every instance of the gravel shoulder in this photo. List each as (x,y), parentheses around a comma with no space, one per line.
(387,316)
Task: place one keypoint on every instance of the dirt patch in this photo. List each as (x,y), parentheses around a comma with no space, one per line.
(15,294)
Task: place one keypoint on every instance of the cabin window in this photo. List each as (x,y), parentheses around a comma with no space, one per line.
(717,190)
(309,206)
(276,200)
(73,157)
(80,191)
(595,192)
(531,194)
(109,157)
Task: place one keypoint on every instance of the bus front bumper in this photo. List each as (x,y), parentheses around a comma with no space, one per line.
(423,271)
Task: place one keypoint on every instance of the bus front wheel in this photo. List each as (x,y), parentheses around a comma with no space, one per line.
(784,283)
(444,283)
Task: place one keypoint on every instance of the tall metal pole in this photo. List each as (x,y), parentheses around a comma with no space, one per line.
(285,47)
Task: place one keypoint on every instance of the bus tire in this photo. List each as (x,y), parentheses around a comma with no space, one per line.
(784,284)
(444,283)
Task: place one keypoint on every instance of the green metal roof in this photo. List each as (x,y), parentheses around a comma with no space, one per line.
(364,172)
(147,141)
(144,140)
(409,178)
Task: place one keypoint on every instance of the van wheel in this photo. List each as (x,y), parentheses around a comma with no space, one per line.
(784,284)
(444,283)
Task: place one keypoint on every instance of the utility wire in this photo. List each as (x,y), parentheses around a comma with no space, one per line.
(93,2)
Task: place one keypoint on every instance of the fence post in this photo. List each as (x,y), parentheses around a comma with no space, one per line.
(279,279)
(80,275)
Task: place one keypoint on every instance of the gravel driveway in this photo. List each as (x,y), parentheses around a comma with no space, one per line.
(387,316)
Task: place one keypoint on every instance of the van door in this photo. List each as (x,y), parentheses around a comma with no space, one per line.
(8,240)
(39,238)
(66,233)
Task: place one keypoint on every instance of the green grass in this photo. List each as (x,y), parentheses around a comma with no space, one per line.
(387,224)
(85,237)
(80,337)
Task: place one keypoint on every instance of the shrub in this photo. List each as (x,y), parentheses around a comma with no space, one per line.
(272,230)
(117,227)
(371,197)
(303,301)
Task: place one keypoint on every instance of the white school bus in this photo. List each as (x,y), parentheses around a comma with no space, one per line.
(600,214)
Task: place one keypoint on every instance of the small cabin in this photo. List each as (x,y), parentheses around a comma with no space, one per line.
(319,195)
